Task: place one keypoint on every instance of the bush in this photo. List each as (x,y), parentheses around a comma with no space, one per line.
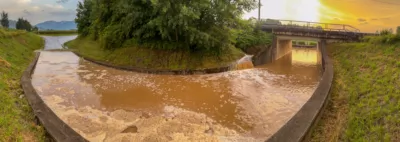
(383,39)
(386,32)
(247,39)
(301,42)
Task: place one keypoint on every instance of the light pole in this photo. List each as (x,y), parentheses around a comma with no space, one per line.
(259,10)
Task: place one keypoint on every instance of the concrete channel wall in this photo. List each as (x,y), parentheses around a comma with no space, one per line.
(54,126)
(267,55)
(299,127)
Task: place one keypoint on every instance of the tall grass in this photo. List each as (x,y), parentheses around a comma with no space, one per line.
(365,100)
(16,116)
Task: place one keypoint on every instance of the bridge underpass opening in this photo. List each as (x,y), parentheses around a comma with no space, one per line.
(285,45)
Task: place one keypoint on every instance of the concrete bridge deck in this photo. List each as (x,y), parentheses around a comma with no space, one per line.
(313,29)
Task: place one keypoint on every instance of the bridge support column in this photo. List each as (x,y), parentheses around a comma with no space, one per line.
(284,47)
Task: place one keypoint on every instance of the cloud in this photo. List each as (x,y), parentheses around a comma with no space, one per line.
(37,11)
(337,19)
(62,13)
(62,1)
(27,12)
(36,8)
(24,1)
(361,20)
(54,6)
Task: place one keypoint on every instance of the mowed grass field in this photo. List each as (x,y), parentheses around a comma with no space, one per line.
(365,98)
(16,116)
(57,33)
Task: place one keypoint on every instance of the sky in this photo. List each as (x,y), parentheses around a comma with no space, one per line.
(366,15)
(37,11)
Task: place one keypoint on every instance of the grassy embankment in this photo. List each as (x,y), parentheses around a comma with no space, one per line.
(153,59)
(131,55)
(57,33)
(365,97)
(16,116)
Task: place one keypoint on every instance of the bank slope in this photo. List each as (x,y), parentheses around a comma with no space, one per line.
(365,97)
(17,119)
(131,56)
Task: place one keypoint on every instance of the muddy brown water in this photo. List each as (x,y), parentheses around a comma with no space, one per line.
(105,104)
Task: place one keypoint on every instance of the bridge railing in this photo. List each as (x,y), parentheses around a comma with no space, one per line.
(309,25)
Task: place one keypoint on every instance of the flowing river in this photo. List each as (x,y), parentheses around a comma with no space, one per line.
(105,104)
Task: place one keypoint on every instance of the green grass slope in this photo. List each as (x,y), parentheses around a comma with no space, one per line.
(16,116)
(152,58)
(57,33)
(365,98)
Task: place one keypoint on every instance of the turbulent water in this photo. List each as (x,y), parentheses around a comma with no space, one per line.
(105,104)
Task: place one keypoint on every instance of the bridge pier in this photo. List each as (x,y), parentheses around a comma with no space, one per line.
(284,45)
(281,46)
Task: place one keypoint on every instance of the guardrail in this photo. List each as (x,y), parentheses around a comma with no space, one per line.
(309,25)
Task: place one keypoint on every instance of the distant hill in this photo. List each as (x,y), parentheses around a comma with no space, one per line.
(53,25)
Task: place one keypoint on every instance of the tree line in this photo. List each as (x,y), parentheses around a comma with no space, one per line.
(22,24)
(162,24)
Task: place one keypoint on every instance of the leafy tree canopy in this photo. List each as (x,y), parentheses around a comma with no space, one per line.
(4,19)
(23,24)
(162,24)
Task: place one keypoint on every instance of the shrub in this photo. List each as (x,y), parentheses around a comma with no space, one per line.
(252,38)
(383,39)
(386,32)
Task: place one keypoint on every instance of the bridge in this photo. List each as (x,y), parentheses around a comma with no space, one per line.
(285,31)
(312,29)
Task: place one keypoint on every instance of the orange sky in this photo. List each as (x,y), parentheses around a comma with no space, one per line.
(366,15)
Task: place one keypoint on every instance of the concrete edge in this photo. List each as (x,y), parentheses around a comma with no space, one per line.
(155,71)
(299,127)
(54,126)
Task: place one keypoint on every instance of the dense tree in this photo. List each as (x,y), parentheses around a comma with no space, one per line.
(162,24)
(23,24)
(398,30)
(35,29)
(4,19)
(83,13)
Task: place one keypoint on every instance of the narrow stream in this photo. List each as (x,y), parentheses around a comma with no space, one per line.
(104,104)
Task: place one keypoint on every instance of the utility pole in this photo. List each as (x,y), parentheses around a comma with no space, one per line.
(259,10)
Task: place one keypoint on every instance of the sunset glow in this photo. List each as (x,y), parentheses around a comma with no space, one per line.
(307,10)
(367,15)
